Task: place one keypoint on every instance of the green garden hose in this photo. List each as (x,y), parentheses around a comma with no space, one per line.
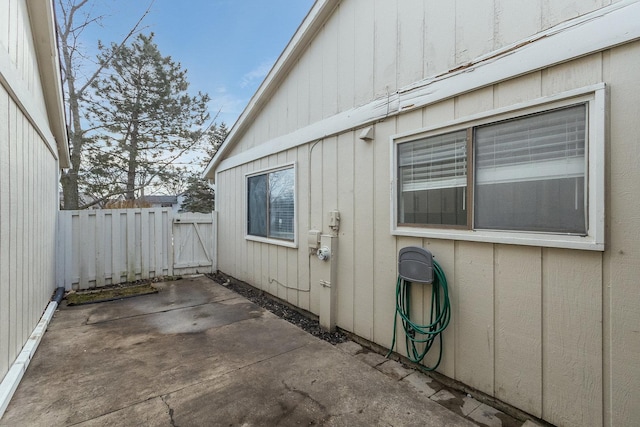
(422,335)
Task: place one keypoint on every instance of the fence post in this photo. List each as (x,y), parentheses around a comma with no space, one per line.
(63,250)
(170,241)
(214,244)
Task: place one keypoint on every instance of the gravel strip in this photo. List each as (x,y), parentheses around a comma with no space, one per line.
(281,310)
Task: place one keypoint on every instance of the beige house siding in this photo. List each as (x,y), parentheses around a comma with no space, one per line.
(369,49)
(29,165)
(27,229)
(552,331)
(621,269)
(17,45)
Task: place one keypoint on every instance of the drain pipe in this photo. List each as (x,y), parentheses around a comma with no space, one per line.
(11,380)
(59,295)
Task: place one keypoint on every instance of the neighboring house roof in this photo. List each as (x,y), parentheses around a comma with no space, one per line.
(160,199)
(42,19)
(83,199)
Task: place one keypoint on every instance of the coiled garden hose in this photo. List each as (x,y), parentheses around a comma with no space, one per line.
(417,335)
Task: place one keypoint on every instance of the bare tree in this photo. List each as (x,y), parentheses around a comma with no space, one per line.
(73,19)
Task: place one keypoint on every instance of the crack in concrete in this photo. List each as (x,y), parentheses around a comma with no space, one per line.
(133,316)
(323,409)
(171,412)
(106,413)
(305,395)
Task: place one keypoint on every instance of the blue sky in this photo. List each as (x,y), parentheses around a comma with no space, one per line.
(227,46)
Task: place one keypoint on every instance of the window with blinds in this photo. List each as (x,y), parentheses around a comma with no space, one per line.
(271,204)
(544,146)
(281,204)
(528,174)
(432,176)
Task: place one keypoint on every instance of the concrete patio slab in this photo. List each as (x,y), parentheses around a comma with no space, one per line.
(197,354)
(311,385)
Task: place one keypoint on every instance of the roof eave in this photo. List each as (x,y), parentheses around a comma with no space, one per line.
(42,19)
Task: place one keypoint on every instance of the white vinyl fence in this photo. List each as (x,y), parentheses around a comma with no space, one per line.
(106,247)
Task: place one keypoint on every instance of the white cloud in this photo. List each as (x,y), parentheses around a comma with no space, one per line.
(257,74)
(229,104)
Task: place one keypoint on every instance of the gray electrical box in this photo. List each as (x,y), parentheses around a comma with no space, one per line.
(415,264)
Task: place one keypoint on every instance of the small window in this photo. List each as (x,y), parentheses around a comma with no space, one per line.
(271,204)
(532,175)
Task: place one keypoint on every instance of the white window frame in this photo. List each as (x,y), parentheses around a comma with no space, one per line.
(271,240)
(595,98)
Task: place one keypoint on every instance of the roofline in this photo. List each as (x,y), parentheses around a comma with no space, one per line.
(42,18)
(315,19)
(593,32)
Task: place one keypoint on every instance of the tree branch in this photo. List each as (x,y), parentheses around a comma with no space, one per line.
(115,51)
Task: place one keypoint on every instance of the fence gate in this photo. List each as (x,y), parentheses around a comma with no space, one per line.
(194,248)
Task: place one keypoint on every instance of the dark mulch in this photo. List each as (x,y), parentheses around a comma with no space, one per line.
(281,310)
(111,293)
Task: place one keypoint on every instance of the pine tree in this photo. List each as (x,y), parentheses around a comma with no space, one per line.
(215,136)
(199,196)
(146,117)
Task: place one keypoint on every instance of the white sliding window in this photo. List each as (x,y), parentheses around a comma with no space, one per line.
(530,174)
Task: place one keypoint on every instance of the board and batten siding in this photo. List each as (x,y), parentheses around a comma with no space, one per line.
(371,48)
(29,170)
(551,331)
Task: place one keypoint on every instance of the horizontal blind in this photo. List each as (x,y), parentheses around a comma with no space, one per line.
(281,217)
(549,145)
(433,162)
(281,204)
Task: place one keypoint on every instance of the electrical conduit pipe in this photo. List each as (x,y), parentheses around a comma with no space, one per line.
(16,372)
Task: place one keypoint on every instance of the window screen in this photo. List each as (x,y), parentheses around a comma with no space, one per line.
(432,180)
(271,204)
(530,173)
